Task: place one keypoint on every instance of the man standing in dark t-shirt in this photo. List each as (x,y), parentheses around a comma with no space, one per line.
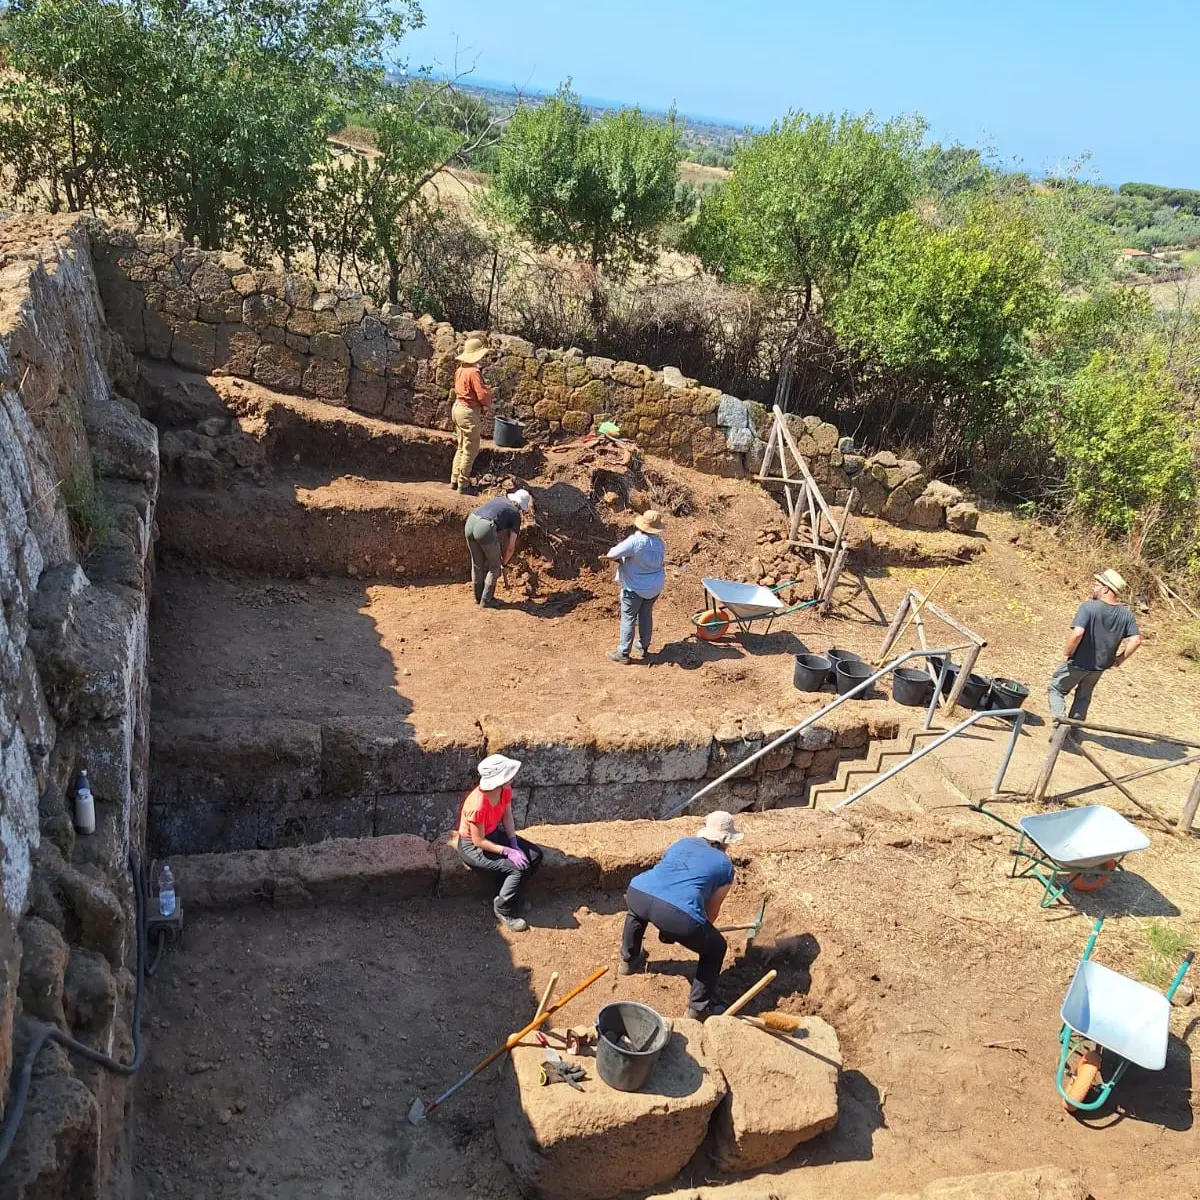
(1103,634)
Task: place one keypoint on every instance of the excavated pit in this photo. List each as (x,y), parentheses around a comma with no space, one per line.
(319,669)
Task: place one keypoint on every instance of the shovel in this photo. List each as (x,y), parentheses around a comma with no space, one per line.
(420,1110)
(751,930)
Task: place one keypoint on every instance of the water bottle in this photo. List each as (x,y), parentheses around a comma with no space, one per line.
(166,892)
(85,806)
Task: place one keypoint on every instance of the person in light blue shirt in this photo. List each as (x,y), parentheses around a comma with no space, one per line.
(641,572)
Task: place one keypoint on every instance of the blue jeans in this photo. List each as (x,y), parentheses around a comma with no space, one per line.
(636,608)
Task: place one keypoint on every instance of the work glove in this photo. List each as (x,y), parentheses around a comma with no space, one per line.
(517,857)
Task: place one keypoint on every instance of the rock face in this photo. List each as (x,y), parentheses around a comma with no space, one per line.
(782,1091)
(567,1145)
(78,478)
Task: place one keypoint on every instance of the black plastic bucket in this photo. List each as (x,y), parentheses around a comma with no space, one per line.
(974,691)
(508,433)
(951,675)
(911,686)
(630,1039)
(836,656)
(850,673)
(1007,693)
(811,673)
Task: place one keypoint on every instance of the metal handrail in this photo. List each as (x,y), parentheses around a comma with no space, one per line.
(823,712)
(1018,723)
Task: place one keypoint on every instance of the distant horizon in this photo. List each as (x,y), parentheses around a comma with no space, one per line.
(1035,87)
(495,85)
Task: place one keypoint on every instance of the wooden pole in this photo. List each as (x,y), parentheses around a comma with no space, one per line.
(791,442)
(835,572)
(1188,817)
(894,628)
(1171,740)
(1057,741)
(961,682)
(1145,771)
(1150,812)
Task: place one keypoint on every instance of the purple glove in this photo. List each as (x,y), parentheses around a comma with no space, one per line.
(517,857)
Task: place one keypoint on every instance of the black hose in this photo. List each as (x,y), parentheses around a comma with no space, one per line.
(50,1033)
(160,944)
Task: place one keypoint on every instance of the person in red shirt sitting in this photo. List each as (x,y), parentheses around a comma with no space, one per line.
(487,837)
(471,397)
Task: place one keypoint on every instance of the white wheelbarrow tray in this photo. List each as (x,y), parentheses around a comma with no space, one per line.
(1118,1013)
(1083,837)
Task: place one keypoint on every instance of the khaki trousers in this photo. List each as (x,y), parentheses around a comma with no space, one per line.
(467,423)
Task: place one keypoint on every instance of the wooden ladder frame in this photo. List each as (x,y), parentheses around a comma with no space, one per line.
(804,498)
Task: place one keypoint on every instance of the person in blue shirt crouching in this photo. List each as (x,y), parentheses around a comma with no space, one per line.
(681,896)
(641,572)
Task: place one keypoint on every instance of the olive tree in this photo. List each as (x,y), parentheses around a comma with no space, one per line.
(804,197)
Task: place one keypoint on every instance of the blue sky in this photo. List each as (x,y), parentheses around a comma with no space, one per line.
(1040,81)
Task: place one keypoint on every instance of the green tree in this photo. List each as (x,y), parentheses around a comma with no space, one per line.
(212,116)
(601,190)
(371,210)
(804,198)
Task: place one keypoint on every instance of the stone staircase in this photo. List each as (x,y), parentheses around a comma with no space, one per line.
(925,785)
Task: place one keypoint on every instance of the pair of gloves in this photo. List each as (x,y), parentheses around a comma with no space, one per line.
(516,856)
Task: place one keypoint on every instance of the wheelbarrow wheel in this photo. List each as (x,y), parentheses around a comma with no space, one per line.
(1091,881)
(1082,1079)
(711,624)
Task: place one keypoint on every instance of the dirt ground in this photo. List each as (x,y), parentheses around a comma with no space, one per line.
(324,646)
(286,1047)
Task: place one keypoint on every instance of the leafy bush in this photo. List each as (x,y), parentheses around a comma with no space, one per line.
(1123,444)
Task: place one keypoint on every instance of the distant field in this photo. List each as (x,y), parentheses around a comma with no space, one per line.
(700,176)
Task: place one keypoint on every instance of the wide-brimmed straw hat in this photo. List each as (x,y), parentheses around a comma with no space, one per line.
(719,827)
(496,770)
(473,350)
(1113,580)
(650,521)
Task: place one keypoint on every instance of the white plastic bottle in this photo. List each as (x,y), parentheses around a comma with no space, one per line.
(85,806)
(166,892)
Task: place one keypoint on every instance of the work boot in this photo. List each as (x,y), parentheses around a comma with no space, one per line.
(617,657)
(512,924)
(702,1014)
(634,965)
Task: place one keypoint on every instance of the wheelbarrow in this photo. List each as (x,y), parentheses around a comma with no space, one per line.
(1074,847)
(726,603)
(1106,1013)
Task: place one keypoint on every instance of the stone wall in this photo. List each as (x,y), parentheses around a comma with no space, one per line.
(220,786)
(77,465)
(210,312)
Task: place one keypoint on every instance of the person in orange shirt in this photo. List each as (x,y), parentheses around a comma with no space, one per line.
(471,397)
(487,837)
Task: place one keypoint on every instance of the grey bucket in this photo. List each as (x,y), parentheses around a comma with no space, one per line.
(911,686)
(508,433)
(836,656)
(811,672)
(630,1039)
(850,673)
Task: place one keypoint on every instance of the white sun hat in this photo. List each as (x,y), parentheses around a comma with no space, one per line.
(522,499)
(719,827)
(496,770)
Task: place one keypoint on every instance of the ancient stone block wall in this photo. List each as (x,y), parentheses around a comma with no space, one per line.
(208,311)
(216,787)
(78,482)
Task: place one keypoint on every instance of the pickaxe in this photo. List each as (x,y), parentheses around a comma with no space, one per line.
(751,930)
